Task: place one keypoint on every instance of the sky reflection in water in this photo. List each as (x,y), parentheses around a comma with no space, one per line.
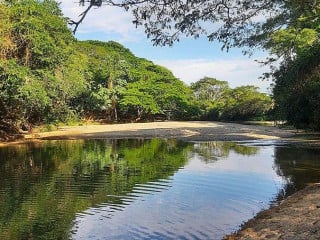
(205,199)
(144,189)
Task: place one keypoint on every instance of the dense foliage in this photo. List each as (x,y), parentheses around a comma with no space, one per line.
(39,70)
(288,30)
(47,76)
(233,23)
(124,87)
(297,80)
(297,90)
(217,101)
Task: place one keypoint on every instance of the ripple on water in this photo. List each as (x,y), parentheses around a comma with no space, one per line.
(144,189)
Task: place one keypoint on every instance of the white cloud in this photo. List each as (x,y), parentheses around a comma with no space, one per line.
(105,20)
(236,71)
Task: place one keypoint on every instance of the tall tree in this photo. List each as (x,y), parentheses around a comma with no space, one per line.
(297,89)
(109,72)
(210,95)
(116,82)
(209,89)
(246,103)
(35,63)
(288,29)
(133,87)
(218,101)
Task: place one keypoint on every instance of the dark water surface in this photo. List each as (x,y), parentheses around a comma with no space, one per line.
(144,189)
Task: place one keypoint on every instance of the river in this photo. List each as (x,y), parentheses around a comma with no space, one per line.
(145,189)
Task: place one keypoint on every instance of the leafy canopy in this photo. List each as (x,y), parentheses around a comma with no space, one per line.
(39,70)
(235,23)
(217,101)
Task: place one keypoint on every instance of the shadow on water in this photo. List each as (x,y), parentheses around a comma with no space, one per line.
(45,188)
(299,165)
(213,151)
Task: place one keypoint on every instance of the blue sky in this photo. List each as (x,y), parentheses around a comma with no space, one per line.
(189,59)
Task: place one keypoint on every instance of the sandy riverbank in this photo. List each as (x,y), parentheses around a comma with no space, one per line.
(193,131)
(297,218)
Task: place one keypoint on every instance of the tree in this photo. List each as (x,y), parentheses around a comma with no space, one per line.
(233,23)
(38,65)
(115,82)
(210,94)
(286,29)
(296,90)
(296,80)
(156,91)
(109,72)
(209,89)
(134,88)
(138,101)
(38,32)
(219,102)
(246,103)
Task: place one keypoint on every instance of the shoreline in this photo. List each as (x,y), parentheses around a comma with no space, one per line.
(297,217)
(188,131)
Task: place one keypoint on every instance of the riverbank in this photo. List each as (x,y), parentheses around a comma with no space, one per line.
(298,217)
(190,131)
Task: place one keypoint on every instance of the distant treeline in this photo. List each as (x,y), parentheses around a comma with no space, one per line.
(47,76)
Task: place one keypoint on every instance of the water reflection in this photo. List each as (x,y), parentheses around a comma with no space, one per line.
(213,151)
(298,165)
(207,198)
(143,189)
(43,186)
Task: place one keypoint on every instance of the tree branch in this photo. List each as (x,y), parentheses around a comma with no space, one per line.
(82,15)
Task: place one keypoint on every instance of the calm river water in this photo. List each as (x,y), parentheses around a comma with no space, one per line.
(144,189)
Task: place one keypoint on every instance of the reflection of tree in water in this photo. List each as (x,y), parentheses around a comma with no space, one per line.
(42,187)
(213,151)
(298,165)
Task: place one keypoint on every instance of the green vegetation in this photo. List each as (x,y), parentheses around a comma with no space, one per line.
(40,72)
(124,87)
(45,185)
(297,90)
(289,30)
(48,77)
(297,79)
(217,101)
(214,151)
